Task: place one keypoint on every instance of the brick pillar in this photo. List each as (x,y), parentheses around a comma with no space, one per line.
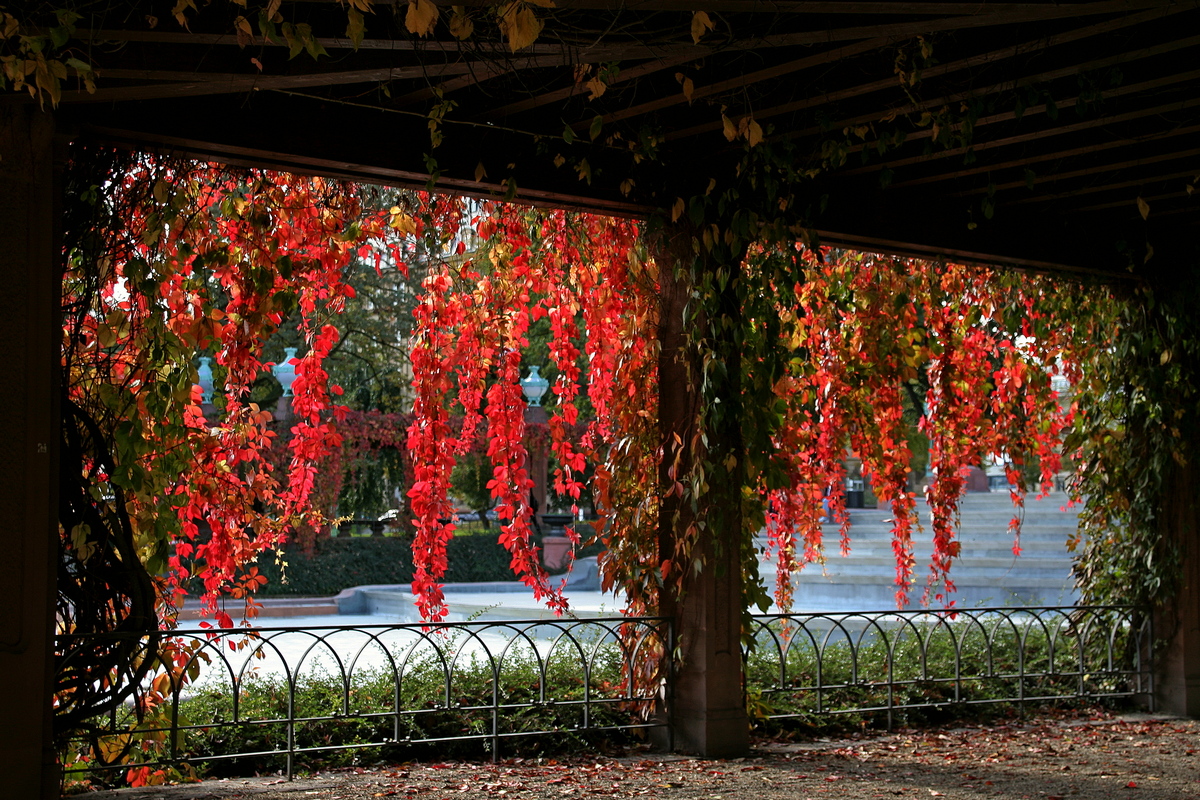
(28,450)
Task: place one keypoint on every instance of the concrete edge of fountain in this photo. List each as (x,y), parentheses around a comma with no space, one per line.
(479,600)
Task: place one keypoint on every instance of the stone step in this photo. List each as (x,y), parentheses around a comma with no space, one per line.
(972,571)
(987,573)
(1050,546)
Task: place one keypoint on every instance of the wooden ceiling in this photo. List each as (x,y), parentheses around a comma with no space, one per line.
(1039,133)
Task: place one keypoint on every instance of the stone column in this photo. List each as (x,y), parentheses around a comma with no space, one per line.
(706,706)
(29,329)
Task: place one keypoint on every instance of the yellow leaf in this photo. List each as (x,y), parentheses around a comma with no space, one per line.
(79,540)
(701,24)
(627,186)
(480,172)
(1143,208)
(403,222)
(461,26)
(421,18)
(688,89)
(677,209)
(180,11)
(356,26)
(559,160)
(754,132)
(596,87)
(1164,358)
(729,129)
(519,25)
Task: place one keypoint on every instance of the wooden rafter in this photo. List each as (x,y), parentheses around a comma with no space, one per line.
(1056,155)
(1090,171)
(241,84)
(1141,180)
(1034,135)
(938,70)
(935,102)
(806,67)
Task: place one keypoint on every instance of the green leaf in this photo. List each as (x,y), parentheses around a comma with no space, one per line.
(355,26)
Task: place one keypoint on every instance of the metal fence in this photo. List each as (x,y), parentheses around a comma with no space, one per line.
(881,662)
(271,694)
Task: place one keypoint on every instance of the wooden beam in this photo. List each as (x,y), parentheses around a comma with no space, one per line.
(763,6)
(1082,173)
(893,247)
(448,48)
(1105,187)
(479,71)
(1057,155)
(239,84)
(557,95)
(812,102)
(1035,45)
(771,73)
(595,53)
(1166,108)
(349,170)
(1042,108)
(1132,203)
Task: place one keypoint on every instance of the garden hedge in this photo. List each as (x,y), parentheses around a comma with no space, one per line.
(340,563)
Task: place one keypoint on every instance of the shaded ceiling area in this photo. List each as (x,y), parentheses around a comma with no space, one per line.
(1037,134)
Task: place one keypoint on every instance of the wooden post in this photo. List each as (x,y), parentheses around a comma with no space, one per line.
(1177,683)
(28,451)
(707,709)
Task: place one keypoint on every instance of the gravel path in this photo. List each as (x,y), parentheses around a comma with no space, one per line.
(1139,757)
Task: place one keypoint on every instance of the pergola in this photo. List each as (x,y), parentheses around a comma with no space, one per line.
(1051,136)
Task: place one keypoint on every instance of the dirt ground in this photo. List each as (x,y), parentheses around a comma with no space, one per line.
(1090,757)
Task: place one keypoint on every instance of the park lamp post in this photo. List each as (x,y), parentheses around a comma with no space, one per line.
(535,386)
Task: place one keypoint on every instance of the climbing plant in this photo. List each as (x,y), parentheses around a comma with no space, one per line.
(164,260)
(1134,440)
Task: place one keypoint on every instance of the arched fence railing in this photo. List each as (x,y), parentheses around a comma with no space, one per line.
(880,662)
(271,695)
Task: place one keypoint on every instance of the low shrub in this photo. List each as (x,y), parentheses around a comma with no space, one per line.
(337,564)
(927,674)
(372,719)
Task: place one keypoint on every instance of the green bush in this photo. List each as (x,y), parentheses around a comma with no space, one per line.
(345,561)
(922,687)
(363,712)
(337,564)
